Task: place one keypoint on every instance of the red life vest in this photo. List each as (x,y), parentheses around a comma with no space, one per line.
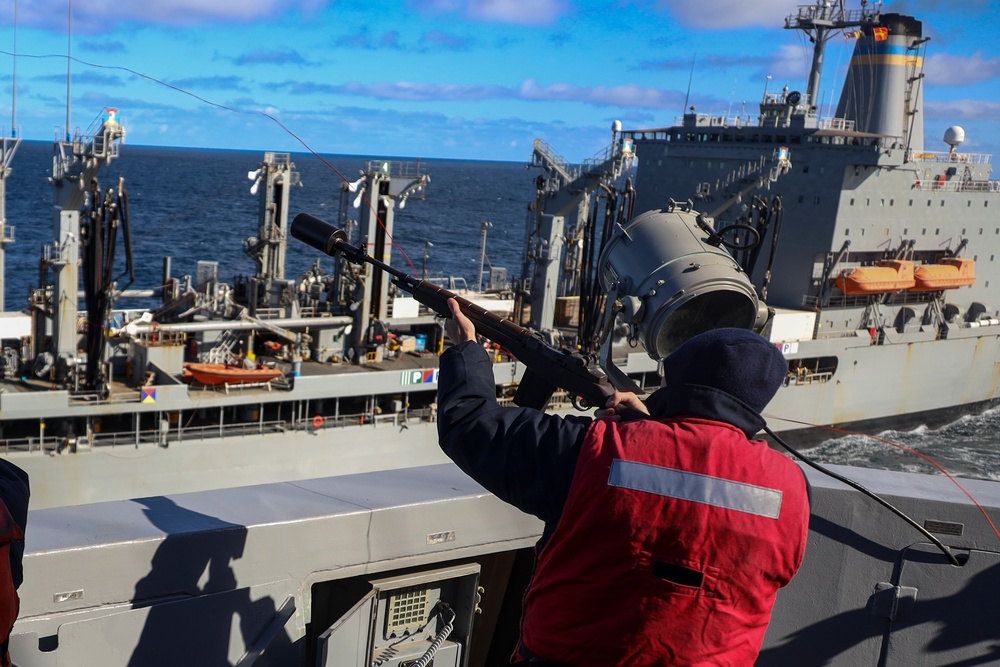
(10,604)
(675,538)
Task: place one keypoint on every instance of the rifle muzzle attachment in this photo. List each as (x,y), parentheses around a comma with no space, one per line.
(319,234)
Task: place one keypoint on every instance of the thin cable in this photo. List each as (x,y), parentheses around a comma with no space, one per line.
(871,494)
(218,105)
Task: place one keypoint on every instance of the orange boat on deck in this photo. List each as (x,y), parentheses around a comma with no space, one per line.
(948,273)
(218,374)
(888,275)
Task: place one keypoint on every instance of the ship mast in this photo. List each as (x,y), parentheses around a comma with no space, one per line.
(820,22)
(8,147)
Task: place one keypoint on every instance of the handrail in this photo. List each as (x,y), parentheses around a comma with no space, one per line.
(211,431)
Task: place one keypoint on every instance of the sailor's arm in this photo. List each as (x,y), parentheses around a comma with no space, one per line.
(523,456)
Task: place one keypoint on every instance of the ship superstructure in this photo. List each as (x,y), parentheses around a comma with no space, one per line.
(878,256)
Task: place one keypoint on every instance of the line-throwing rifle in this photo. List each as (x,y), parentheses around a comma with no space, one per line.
(546,367)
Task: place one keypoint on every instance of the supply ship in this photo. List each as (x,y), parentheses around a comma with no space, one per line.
(249,473)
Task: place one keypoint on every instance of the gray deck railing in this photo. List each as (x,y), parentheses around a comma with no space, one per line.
(212,431)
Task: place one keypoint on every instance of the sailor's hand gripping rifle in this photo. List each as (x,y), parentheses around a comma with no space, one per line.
(546,367)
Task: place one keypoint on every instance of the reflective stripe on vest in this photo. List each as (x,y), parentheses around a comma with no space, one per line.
(695,487)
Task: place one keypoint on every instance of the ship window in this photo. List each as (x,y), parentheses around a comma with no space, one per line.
(975,258)
(969,205)
(690,163)
(796,139)
(963,231)
(868,202)
(886,232)
(911,202)
(942,202)
(980,231)
(937,231)
(805,169)
(891,202)
(862,231)
(906,230)
(928,202)
(991,257)
(847,232)
(722,165)
(816,200)
(709,164)
(822,170)
(882,202)
(986,203)
(802,198)
(852,201)
(923,232)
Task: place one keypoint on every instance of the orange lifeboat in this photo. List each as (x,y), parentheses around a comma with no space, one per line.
(218,374)
(888,275)
(948,273)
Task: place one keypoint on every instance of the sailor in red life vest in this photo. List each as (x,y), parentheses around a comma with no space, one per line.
(665,539)
(13,517)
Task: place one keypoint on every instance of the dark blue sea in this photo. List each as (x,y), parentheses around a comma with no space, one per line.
(196,205)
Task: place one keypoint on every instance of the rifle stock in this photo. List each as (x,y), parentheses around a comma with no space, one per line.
(547,367)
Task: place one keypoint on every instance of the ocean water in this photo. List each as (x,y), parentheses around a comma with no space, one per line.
(195,205)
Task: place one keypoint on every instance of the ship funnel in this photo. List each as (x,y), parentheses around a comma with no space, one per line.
(669,284)
(883,91)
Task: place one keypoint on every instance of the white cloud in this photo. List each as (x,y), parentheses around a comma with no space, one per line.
(725,14)
(520,12)
(100,16)
(535,12)
(943,69)
(956,110)
(625,95)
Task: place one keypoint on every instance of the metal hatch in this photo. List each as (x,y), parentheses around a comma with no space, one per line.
(421,618)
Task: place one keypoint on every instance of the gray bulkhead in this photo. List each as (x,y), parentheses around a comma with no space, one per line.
(267,575)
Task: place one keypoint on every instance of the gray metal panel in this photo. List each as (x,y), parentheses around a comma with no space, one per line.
(113,473)
(15,405)
(91,559)
(219,628)
(824,617)
(351,635)
(949,620)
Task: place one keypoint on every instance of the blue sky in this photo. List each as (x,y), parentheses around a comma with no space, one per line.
(474,79)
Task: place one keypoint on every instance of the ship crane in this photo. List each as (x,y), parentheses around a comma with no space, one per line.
(75,165)
(269,288)
(300,341)
(555,249)
(383,186)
